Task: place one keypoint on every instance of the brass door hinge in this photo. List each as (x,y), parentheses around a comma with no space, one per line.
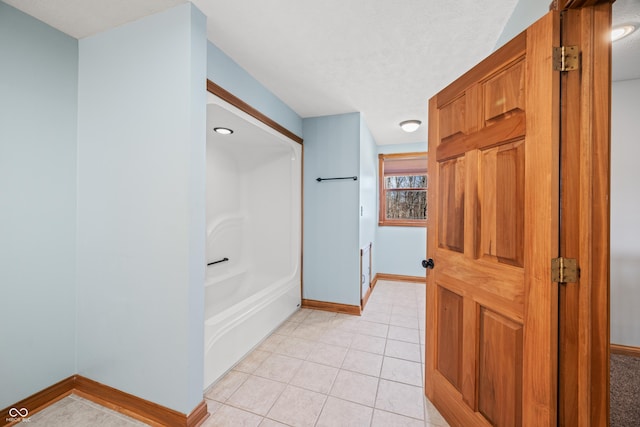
(566,58)
(564,270)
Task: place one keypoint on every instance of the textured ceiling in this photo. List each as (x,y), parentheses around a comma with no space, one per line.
(384,58)
(625,54)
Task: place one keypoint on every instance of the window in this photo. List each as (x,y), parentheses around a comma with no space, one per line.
(403,189)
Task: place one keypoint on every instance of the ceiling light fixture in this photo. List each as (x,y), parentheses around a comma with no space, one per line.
(621,31)
(410,125)
(223,131)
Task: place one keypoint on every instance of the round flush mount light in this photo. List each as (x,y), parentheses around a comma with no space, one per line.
(621,31)
(410,125)
(223,131)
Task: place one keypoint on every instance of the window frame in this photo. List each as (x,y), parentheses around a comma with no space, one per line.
(382,192)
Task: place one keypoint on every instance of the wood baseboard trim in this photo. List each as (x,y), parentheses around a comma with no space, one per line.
(399,278)
(38,401)
(332,306)
(109,397)
(365,300)
(624,350)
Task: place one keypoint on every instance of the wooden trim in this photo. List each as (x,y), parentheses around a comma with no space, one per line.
(625,350)
(584,341)
(400,278)
(365,300)
(40,400)
(382,204)
(332,306)
(109,397)
(240,104)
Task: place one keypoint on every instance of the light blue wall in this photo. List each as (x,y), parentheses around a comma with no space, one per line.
(141,225)
(368,193)
(525,13)
(38,110)
(331,264)
(401,249)
(625,205)
(223,71)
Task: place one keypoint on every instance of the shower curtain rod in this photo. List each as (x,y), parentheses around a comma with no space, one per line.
(355,178)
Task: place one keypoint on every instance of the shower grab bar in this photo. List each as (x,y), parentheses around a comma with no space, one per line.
(355,178)
(219,261)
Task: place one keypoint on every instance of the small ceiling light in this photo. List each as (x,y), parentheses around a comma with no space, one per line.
(223,131)
(621,31)
(410,125)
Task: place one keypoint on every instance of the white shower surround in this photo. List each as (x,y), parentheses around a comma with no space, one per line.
(254,220)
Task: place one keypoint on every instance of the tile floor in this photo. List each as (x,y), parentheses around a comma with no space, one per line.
(317,369)
(76,411)
(327,369)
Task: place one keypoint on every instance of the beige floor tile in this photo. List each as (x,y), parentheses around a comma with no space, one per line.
(363,362)
(406,321)
(317,316)
(403,350)
(271,423)
(297,407)
(375,316)
(340,413)
(378,303)
(399,333)
(355,387)
(300,315)
(349,324)
(252,361)
(295,347)
(228,416)
(287,328)
(271,343)
(368,343)
(372,328)
(79,412)
(400,399)
(327,354)
(256,395)
(337,337)
(226,386)
(402,371)
(387,419)
(212,406)
(432,415)
(309,331)
(315,377)
(278,367)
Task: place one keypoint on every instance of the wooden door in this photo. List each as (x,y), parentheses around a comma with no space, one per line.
(518,176)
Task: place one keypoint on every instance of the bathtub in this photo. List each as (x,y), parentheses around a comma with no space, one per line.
(254,222)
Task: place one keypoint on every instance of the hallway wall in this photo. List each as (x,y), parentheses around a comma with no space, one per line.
(331,254)
(625,206)
(141,207)
(225,72)
(400,249)
(38,120)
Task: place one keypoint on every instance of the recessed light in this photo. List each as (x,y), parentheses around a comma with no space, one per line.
(621,31)
(410,125)
(223,131)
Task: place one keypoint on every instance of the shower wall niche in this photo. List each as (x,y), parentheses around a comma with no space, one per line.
(253,235)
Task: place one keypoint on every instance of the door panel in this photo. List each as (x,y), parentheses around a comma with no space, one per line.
(500,369)
(450,335)
(491,306)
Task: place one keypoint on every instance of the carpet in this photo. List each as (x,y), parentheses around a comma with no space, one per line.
(625,391)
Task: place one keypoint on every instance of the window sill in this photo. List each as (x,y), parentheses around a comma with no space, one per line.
(402,223)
